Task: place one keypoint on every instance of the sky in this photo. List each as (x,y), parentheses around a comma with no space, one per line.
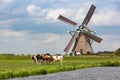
(31,26)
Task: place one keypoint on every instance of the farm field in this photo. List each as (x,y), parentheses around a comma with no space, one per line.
(19,66)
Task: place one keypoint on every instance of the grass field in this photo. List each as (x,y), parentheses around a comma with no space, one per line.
(19,66)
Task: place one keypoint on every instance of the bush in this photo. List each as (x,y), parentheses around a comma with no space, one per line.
(6,75)
(116,63)
(52,70)
(43,71)
(117,52)
(23,73)
(38,71)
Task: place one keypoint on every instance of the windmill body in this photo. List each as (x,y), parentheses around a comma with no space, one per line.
(83,36)
(82,45)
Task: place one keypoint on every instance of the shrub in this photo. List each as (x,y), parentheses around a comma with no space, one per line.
(6,75)
(38,71)
(116,63)
(43,71)
(117,52)
(23,73)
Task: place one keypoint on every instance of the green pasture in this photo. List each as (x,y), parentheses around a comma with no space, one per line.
(19,66)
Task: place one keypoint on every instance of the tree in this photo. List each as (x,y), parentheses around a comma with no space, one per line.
(117,52)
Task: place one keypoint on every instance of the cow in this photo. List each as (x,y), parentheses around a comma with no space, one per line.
(37,59)
(58,58)
(42,58)
(46,58)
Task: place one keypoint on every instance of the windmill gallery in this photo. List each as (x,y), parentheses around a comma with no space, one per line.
(83,36)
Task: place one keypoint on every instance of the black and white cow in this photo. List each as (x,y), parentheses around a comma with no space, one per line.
(41,58)
(37,59)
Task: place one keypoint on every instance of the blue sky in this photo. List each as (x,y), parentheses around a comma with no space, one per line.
(31,26)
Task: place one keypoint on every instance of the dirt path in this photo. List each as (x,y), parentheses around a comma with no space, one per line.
(98,73)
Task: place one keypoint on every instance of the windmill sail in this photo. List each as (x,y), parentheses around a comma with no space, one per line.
(93,37)
(89,15)
(71,42)
(64,19)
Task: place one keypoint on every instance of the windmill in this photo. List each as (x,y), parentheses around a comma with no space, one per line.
(83,36)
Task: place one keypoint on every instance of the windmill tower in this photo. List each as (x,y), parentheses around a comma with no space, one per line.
(83,36)
(82,45)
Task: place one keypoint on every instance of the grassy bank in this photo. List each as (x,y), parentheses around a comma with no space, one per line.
(20,66)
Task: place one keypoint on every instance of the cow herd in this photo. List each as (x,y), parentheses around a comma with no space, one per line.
(46,58)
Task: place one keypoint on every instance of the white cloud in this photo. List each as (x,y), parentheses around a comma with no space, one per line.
(22,42)
(6,1)
(53,43)
(109,43)
(7,23)
(80,14)
(53,14)
(107,17)
(5,4)
(33,10)
(48,38)
(17,42)
(10,33)
(52,38)
(45,38)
